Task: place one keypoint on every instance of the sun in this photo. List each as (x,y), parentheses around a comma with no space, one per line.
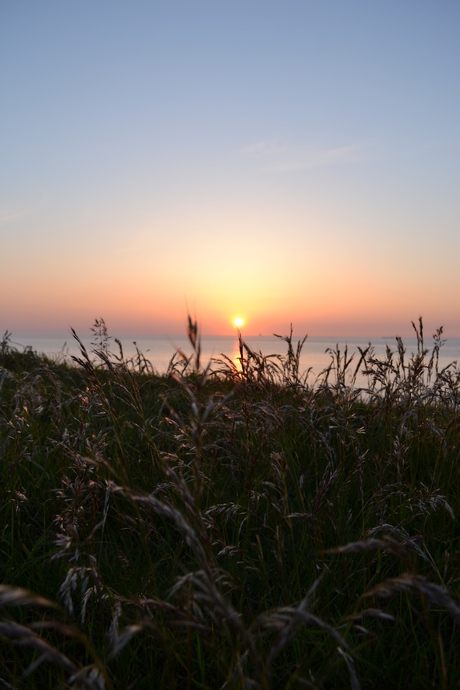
(238,322)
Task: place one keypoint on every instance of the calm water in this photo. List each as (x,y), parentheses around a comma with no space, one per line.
(159,350)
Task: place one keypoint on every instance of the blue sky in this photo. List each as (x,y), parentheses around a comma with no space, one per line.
(287,161)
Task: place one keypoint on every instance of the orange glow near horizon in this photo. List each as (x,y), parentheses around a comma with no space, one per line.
(331,303)
(139,290)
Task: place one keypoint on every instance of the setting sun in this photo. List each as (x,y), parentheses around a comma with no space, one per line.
(238,322)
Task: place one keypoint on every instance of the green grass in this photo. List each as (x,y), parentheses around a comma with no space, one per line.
(224,527)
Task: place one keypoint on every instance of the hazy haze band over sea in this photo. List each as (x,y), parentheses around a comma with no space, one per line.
(159,350)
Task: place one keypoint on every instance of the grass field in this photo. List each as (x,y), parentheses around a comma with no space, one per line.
(227,526)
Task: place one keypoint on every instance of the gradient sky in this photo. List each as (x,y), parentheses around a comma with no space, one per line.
(280,161)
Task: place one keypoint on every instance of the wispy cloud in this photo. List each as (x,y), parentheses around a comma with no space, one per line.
(8,218)
(275,157)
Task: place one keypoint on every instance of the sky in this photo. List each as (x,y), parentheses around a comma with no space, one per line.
(291,161)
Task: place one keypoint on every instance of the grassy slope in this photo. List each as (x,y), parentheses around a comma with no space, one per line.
(228,528)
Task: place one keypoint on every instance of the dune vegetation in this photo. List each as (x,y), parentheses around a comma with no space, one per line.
(229,526)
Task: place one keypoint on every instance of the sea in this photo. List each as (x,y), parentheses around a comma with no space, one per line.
(315,356)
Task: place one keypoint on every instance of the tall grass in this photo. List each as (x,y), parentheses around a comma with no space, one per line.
(229,526)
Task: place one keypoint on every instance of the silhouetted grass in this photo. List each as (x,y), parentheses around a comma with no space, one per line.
(227,526)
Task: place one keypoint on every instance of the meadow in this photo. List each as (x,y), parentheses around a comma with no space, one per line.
(229,525)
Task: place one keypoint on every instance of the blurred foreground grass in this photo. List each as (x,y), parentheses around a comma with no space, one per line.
(229,526)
